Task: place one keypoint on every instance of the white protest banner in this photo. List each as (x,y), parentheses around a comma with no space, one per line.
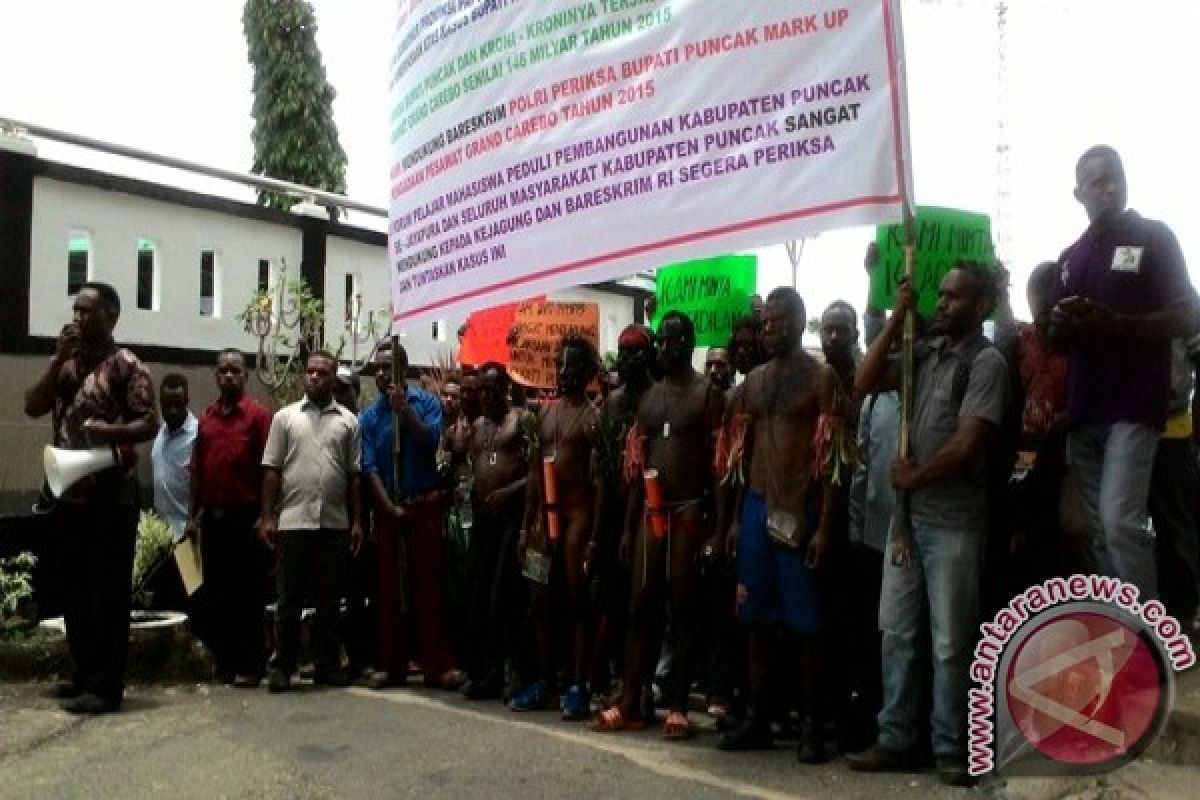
(539,144)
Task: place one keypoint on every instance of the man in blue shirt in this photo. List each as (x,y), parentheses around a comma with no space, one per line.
(415,513)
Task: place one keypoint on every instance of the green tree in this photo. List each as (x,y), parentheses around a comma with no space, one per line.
(295,138)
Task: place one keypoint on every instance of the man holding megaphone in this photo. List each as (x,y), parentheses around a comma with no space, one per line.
(101,398)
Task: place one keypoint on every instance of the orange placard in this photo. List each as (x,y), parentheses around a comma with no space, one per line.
(539,328)
(486,337)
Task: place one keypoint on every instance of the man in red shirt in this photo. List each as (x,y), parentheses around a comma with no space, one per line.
(226,481)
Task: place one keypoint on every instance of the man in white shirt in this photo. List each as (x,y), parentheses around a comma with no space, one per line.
(311,514)
(171,455)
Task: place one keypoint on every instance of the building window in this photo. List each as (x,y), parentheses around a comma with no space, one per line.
(147,275)
(210,304)
(436,331)
(352,299)
(264,275)
(79,261)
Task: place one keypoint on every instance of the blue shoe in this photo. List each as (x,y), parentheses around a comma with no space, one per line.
(577,703)
(534,697)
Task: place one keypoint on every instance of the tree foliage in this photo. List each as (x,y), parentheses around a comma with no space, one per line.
(295,138)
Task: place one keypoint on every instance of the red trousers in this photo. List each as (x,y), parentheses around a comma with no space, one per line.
(426,579)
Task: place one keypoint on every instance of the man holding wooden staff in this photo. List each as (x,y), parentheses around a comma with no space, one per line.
(407,506)
(931,593)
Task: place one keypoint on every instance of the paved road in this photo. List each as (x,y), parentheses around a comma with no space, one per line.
(215,742)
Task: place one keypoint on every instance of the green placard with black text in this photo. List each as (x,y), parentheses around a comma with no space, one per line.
(943,236)
(712,291)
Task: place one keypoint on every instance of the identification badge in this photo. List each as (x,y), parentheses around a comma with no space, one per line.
(1127,259)
(492,459)
(536,567)
(784,528)
(666,430)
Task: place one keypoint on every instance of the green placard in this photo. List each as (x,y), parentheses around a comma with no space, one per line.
(712,291)
(943,236)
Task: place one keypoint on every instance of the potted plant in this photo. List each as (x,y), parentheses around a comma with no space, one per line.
(160,645)
(18,614)
(25,650)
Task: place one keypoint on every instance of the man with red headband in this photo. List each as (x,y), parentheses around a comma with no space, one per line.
(675,433)
(614,481)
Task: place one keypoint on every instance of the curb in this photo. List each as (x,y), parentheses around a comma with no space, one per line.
(164,654)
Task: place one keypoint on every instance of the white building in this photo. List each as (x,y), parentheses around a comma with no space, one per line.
(186,264)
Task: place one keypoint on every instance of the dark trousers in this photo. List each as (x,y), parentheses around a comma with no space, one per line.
(498,592)
(425,556)
(97,570)
(722,636)
(235,563)
(361,622)
(311,567)
(1173,490)
(855,663)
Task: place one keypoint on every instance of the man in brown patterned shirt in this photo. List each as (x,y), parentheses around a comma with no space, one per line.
(100,395)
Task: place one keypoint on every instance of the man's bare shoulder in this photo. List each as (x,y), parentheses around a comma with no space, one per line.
(652,392)
(826,375)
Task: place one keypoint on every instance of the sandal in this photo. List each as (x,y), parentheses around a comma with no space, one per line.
(718,709)
(613,720)
(676,727)
(450,680)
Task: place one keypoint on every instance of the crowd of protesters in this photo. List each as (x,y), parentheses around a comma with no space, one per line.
(641,536)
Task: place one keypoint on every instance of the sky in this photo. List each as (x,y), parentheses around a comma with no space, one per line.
(172,77)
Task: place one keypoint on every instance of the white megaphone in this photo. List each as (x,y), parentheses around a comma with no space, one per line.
(65,467)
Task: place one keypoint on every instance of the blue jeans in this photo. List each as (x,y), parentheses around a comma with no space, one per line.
(1113,465)
(932,601)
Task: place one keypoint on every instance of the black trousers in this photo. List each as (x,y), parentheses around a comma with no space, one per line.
(498,593)
(722,637)
(855,668)
(311,567)
(1173,490)
(360,626)
(96,562)
(235,566)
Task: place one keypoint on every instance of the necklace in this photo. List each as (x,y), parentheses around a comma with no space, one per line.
(559,435)
(489,444)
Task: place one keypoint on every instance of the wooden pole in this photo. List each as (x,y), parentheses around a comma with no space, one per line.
(399,385)
(902,536)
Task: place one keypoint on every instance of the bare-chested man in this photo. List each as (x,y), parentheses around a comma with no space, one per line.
(745,344)
(567,430)
(676,427)
(719,368)
(455,449)
(500,469)
(784,533)
(635,364)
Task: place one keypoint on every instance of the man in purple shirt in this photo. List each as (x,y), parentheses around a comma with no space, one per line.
(1125,295)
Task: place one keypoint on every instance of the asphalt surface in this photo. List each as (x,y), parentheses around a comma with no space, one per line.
(217,742)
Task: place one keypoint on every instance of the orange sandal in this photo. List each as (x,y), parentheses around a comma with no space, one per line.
(676,727)
(613,720)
